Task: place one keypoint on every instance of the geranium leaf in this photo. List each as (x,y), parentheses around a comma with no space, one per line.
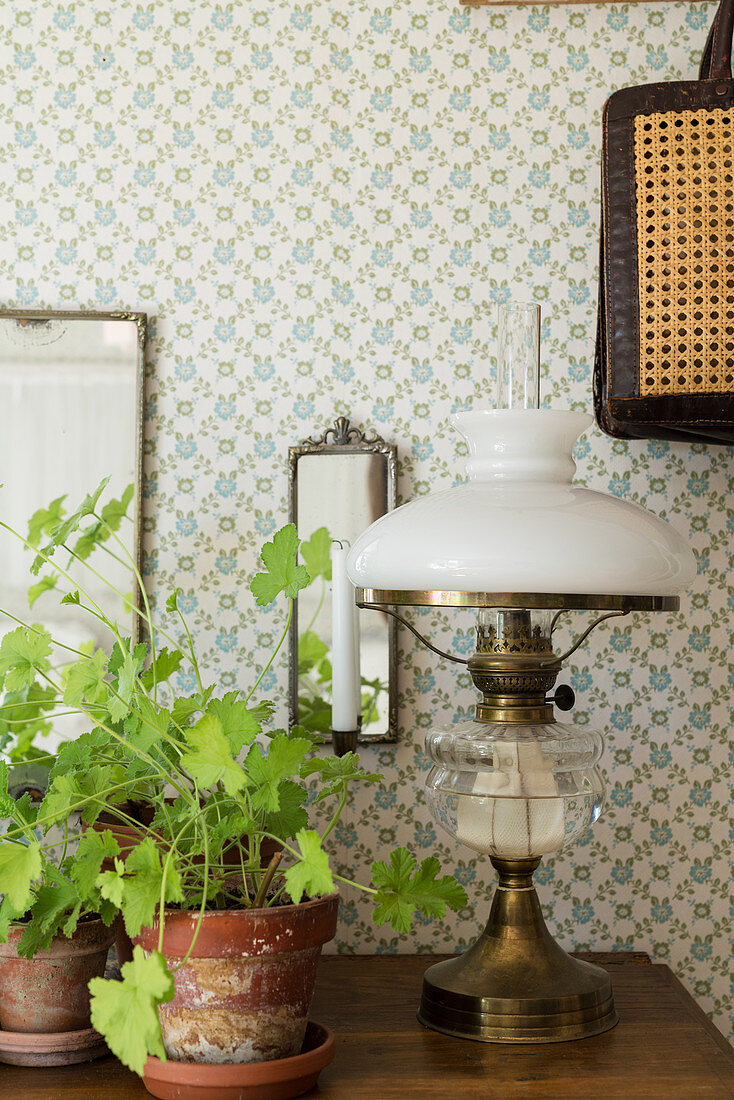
(283,760)
(56,903)
(167,661)
(115,511)
(210,760)
(142,879)
(335,771)
(92,850)
(85,680)
(311,875)
(283,575)
(45,520)
(23,652)
(316,554)
(402,890)
(290,816)
(127,675)
(44,585)
(20,865)
(59,534)
(240,725)
(7,805)
(126,1012)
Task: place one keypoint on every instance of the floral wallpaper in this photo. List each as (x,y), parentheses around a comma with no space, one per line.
(320,205)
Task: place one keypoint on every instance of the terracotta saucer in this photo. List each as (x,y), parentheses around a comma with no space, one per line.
(61,1048)
(279,1080)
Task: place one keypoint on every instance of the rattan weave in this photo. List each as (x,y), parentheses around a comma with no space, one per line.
(684,182)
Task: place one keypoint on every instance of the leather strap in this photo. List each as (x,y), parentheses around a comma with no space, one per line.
(716,59)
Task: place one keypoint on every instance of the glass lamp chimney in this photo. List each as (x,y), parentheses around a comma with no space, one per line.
(518,359)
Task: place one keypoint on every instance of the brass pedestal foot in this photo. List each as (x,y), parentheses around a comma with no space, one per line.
(515,984)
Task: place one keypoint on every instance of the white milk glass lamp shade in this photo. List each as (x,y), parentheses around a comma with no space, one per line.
(514,791)
(519,524)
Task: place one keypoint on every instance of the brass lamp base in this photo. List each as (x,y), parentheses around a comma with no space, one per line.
(515,984)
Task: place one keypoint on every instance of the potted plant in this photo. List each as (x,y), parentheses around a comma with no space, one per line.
(226,943)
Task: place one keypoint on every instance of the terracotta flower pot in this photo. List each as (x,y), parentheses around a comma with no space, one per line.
(128,836)
(245,993)
(48,993)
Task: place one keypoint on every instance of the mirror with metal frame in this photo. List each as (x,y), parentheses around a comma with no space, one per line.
(71,413)
(340,482)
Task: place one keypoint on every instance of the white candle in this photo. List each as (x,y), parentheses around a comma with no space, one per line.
(357,660)
(344,686)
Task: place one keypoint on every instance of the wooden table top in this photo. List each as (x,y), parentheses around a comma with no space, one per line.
(663,1047)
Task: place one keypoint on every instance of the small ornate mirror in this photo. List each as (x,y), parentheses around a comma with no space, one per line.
(340,482)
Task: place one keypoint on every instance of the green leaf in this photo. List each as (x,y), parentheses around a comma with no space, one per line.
(117,657)
(92,850)
(89,539)
(311,650)
(8,916)
(239,724)
(86,790)
(172,601)
(115,511)
(286,821)
(316,554)
(127,677)
(147,728)
(72,598)
(185,707)
(126,1012)
(263,711)
(85,680)
(81,753)
(314,714)
(335,771)
(210,760)
(142,885)
(401,890)
(312,875)
(45,520)
(7,804)
(56,903)
(283,575)
(284,758)
(20,865)
(44,585)
(26,812)
(167,661)
(61,532)
(23,653)
(111,884)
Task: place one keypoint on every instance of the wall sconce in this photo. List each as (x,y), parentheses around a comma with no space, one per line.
(523,545)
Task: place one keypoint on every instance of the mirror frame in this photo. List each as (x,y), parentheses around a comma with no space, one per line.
(342,439)
(140,320)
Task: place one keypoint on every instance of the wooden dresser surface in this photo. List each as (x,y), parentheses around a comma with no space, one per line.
(663,1047)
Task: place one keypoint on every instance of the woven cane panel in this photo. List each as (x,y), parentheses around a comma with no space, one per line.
(684,179)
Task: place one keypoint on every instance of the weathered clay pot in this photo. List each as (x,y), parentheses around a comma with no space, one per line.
(245,993)
(128,837)
(48,993)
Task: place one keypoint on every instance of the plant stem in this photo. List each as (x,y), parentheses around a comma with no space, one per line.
(283,637)
(338,812)
(319,605)
(266,880)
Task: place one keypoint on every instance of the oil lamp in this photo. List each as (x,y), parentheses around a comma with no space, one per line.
(522,544)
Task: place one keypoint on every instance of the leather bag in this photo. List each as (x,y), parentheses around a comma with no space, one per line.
(664,364)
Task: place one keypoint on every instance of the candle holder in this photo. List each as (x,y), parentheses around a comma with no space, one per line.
(344,741)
